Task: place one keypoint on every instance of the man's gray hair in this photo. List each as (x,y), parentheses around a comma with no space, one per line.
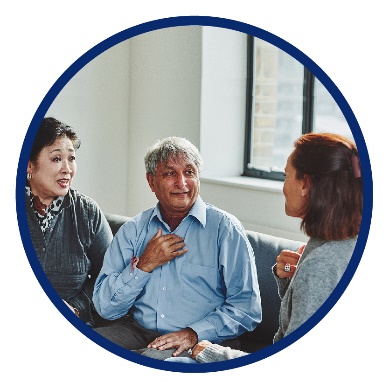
(172,148)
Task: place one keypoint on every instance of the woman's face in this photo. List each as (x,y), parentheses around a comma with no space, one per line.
(52,175)
(295,192)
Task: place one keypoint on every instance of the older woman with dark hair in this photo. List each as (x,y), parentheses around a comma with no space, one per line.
(323,187)
(68,230)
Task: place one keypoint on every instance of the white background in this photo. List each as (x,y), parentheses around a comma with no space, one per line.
(40,39)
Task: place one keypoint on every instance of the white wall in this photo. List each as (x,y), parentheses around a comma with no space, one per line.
(165,74)
(95,102)
(185,81)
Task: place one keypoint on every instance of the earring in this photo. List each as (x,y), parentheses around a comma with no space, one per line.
(29,176)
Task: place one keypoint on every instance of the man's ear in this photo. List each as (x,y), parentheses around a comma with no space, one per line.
(305,189)
(150,180)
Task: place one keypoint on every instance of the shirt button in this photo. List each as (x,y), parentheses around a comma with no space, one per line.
(136,277)
(162,316)
(44,249)
(164,288)
(130,274)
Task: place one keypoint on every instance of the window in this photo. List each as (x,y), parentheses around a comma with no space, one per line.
(284,100)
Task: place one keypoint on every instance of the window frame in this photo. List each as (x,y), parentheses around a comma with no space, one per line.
(307,114)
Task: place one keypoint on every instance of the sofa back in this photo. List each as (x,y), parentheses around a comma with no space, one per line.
(116,221)
(266,248)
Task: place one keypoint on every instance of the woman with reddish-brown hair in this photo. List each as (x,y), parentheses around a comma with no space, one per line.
(323,186)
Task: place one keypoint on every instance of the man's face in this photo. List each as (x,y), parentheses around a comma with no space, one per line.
(176,185)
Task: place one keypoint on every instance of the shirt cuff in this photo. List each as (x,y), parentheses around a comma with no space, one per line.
(204,330)
(134,276)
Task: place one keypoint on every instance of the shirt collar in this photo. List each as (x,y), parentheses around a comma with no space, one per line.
(198,211)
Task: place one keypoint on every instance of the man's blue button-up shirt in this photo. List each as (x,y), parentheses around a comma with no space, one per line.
(212,288)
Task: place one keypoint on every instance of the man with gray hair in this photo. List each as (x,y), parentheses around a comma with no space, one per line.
(179,272)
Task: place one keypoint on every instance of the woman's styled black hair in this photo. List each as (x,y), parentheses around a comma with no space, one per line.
(49,131)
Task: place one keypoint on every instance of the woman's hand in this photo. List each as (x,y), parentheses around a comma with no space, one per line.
(286,262)
(200,347)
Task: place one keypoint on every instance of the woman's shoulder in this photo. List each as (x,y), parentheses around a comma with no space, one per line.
(82,199)
(324,253)
(334,247)
(84,204)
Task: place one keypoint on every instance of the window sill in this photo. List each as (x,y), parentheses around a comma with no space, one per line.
(246,182)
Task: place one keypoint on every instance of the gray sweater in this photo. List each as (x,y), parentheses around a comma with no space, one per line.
(71,252)
(217,353)
(319,270)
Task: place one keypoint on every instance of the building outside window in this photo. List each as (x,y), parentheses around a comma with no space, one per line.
(284,100)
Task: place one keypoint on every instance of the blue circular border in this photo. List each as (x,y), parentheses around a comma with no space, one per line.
(212,22)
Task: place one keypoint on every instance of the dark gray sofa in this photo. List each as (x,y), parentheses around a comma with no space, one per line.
(266,248)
